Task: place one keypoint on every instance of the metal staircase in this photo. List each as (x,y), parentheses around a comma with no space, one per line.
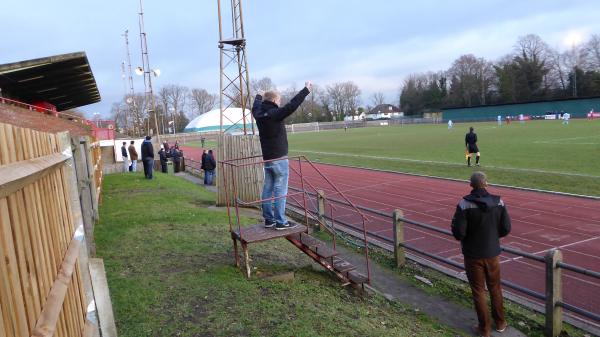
(309,207)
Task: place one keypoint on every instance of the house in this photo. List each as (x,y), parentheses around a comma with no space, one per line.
(384,111)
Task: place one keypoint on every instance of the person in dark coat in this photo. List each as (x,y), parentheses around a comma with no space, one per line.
(176,154)
(125,157)
(270,119)
(480,220)
(203,165)
(148,157)
(163,159)
(209,168)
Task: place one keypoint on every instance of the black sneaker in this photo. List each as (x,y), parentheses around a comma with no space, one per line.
(287,225)
(269,223)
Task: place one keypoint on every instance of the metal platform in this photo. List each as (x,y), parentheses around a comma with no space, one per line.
(258,232)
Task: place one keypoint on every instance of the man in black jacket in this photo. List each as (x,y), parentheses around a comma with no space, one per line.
(479,222)
(148,157)
(125,157)
(273,142)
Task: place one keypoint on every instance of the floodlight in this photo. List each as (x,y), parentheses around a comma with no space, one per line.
(139,71)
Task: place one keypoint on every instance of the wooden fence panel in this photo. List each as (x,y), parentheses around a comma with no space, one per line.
(248,179)
(41,293)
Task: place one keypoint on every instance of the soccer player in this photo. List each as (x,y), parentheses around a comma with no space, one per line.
(499,120)
(471,145)
(450,124)
(566,117)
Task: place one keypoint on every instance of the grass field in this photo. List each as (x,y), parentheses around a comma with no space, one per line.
(170,270)
(536,154)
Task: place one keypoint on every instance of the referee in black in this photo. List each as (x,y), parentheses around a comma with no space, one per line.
(471,144)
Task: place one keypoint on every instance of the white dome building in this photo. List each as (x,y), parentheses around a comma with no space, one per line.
(210,121)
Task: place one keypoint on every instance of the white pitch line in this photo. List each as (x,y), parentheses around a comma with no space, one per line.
(559,247)
(447,163)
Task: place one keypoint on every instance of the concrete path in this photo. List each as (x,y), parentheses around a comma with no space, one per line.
(444,310)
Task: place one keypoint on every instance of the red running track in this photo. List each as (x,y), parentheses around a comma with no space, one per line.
(541,221)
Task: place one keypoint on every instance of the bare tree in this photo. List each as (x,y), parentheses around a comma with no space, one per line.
(591,53)
(201,102)
(264,84)
(532,47)
(378,98)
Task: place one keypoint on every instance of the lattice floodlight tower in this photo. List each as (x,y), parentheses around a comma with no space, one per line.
(234,83)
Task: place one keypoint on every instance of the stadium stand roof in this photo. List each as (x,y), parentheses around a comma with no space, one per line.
(65,81)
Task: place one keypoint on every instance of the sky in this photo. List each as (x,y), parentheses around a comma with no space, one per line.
(374,43)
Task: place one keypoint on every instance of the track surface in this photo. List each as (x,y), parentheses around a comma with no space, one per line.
(541,221)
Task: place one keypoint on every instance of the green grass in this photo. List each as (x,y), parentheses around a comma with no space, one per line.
(208,144)
(537,154)
(170,271)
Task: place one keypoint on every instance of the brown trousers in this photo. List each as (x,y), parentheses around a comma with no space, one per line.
(481,272)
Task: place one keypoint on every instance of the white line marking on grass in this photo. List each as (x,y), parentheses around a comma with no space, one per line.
(448,163)
(561,140)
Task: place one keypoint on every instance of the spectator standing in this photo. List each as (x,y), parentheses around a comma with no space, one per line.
(202,140)
(209,171)
(162,154)
(148,157)
(269,117)
(125,157)
(480,220)
(203,165)
(176,154)
(133,155)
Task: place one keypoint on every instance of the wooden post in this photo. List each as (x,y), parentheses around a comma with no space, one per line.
(399,255)
(553,293)
(246,258)
(321,210)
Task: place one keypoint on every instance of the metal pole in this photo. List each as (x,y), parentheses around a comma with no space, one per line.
(147,73)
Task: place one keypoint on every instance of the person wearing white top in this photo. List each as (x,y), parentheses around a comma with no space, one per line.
(450,124)
(566,117)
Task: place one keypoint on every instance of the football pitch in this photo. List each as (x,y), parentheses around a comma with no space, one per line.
(536,154)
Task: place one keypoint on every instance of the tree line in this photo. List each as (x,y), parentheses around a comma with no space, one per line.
(177,105)
(533,71)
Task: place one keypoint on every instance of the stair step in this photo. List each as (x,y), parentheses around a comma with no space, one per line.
(342,266)
(311,242)
(325,252)
(357,277)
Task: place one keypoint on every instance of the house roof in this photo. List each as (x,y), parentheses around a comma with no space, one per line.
(384,108)
(65,81)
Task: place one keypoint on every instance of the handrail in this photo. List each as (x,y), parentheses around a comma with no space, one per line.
(3,100)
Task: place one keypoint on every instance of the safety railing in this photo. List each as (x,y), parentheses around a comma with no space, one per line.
(8,101)
(298,167)
(553,264)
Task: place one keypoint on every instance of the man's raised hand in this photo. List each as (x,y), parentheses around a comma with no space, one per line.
(308,85)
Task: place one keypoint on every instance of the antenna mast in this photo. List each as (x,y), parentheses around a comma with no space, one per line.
(147,75)
(234,82)
(130,100)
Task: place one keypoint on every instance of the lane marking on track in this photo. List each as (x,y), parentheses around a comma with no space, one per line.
(516,169)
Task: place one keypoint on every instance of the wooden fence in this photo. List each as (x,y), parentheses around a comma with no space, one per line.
(248,179)
(41,289)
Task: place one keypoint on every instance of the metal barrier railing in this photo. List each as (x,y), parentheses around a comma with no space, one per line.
(552,260)
(298,165)
(23,105)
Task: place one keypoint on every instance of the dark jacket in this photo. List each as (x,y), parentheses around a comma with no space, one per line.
(470,138)
(209,162)
(162,155)
(269,119)
(147,149)
(132,152)
(176,154)
(479,222)
(123,151)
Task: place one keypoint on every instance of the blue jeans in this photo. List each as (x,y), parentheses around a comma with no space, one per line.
(276,185)
(209,176)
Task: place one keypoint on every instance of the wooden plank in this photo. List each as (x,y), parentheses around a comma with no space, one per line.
(46,324)
(102,298)
(10,274)
(15,176)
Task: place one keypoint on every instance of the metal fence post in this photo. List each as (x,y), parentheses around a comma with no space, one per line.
(399,255)
(553,293)
(321,210)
